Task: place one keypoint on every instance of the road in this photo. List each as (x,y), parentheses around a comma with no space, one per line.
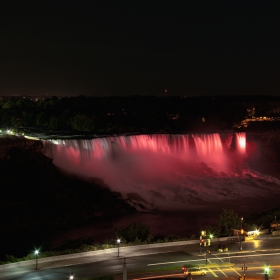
(256,254)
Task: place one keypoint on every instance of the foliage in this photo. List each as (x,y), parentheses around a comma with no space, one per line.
(228,220)
(82,122)
(10,258)
(263,219)
(122,115)
(135,232)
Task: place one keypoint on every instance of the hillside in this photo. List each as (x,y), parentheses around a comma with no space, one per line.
(35,194)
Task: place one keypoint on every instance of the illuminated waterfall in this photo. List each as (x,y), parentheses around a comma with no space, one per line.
(162,168)
(200,147)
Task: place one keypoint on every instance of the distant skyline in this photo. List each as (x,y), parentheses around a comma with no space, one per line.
(105,48)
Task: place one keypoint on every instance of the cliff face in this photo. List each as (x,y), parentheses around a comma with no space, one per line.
(35,194)
(8,142)
(263,149)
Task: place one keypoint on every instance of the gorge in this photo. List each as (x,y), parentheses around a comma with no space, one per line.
(171,179)
(167,172)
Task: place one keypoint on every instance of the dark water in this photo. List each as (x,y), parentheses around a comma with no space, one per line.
(183,224)
(21,243)
(179,224)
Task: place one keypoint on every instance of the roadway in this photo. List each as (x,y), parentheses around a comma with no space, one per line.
(256,254)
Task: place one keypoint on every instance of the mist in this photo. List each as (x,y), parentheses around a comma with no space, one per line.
(166,171)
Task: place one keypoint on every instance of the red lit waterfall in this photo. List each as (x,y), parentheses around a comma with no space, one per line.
(162,168)
(207,147)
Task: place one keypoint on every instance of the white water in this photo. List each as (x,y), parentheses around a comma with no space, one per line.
(168,171)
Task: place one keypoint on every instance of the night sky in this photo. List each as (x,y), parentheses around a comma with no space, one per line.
(104,48)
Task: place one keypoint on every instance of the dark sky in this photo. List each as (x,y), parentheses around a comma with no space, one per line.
(94,47)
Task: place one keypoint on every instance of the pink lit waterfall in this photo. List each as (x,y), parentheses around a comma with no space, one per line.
(166,170)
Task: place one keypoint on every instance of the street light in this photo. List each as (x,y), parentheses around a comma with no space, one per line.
(118,242)
(240,237)
(244,268)
(36,254)
(266,272)
(124,269)
(71,277)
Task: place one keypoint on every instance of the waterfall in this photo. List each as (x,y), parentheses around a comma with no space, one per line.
(202,146)
(166,170)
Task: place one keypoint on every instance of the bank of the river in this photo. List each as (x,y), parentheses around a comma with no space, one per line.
(181,224)
(191,221)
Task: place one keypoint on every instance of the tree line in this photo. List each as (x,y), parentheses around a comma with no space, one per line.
(105,115)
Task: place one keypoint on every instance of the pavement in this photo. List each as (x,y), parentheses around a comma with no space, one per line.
(148,275)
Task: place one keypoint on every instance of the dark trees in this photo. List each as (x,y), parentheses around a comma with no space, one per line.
(135,232)
(107,115)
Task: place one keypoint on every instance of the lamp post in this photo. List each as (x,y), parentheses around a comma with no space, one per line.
(240,237)
(71,277)
(118,242)
(266,272)
(244,268)
(36,255)
(124,270)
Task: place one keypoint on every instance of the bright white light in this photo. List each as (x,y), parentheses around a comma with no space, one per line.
(253,232)
(36,252)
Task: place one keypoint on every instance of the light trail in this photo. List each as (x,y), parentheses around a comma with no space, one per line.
(232,257)
(210,270)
